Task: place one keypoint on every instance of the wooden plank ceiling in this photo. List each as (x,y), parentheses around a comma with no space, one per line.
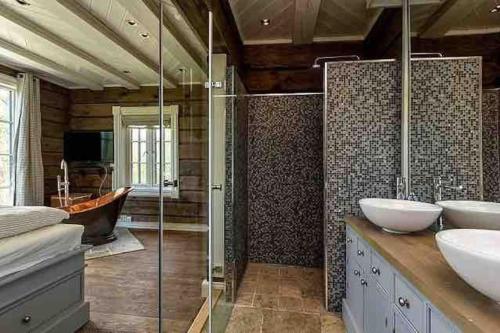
(278,54)
(98,43)
(306,21)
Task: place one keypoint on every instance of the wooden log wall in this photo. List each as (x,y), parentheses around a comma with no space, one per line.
(54,107)
(92,110)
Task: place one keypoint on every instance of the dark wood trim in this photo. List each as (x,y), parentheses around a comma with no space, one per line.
(227,32)
(174,30)
(385,34)
(195,13)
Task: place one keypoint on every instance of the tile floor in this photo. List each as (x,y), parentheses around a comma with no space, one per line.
(275,298)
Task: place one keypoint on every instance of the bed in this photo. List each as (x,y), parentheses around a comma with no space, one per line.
(41,272)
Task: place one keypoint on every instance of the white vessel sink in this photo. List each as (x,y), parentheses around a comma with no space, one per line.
(400,216)
(472,214)
(475,256)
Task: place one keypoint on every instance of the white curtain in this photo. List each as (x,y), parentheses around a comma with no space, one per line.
(28,180)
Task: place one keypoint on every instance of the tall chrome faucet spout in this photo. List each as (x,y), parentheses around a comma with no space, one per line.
(64,185)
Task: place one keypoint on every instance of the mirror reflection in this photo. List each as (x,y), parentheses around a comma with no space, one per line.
(454,111)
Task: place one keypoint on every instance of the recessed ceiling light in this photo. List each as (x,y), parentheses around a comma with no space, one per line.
(144,35)
(23,2)
(494,10)
(126,71)
(265,21)
(131,22)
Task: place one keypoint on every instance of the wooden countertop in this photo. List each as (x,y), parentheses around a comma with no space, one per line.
(418,259)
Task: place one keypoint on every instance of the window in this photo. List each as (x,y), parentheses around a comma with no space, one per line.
(7,94)
(137,150)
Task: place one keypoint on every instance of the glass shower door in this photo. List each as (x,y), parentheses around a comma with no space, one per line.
(182,150)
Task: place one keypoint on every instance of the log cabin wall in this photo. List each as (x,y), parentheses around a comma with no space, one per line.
(286,68)
(92,110)
(54,106)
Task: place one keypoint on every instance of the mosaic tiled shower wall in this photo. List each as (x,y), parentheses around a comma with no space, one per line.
(285,179)
(362,151)
(236,183)
(445,127)
(491,146)
(362,138)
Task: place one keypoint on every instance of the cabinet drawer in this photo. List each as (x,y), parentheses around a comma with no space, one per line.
(363,255)
(410,304)
(382,272)
(26,316)
(438,324)
(351,244)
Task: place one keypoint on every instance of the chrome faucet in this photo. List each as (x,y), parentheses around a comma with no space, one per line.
(438,185)
(400,188)
(63,185)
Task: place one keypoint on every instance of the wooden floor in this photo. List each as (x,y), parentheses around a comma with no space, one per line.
(122,289)
(288,299)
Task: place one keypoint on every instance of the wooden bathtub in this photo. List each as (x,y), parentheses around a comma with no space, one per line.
(98,216)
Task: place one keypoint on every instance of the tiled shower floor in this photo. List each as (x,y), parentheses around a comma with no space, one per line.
(275,298)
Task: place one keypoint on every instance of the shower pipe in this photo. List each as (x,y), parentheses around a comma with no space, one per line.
(427,54)
(317,65)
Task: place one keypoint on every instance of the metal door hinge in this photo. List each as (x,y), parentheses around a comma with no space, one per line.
(215,84)
(217,187)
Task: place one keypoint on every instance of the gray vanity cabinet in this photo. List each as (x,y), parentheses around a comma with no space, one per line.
(401,325)
(378,310)
(355,292)
(380,300)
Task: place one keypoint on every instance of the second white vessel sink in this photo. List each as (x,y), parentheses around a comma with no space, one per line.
(472,214)
(475,256)
(400,216)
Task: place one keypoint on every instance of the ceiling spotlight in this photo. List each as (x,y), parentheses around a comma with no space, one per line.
(265,21)
(144,35)
(23,2)
(126,72)
(131,22)
(494,10)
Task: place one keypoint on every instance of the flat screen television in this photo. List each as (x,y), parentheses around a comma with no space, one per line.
(88,147)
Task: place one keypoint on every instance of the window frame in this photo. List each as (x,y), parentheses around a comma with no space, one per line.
(123,146)
(10,83)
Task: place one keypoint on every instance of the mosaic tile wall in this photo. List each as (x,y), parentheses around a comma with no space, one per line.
(236,184)
(491,158)
(363,105)
(362,153)
(445,126)
(285,179)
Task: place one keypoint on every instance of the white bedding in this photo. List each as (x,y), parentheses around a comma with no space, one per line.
(15,220)
(28,249)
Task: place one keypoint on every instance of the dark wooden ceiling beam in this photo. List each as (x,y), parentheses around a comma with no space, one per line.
(227,30)
(288,56)
(385,36)
(195,13)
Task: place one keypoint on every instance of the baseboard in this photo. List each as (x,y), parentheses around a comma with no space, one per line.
(193,227)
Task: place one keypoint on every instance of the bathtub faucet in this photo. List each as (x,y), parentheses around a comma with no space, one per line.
(64,185)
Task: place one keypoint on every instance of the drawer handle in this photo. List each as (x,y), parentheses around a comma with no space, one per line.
(403,302)
(349,240)
(357,273)
(26,319)
(363,282)
(375,270)
(361,253)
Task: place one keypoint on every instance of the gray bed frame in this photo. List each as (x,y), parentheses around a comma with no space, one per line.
(47,297)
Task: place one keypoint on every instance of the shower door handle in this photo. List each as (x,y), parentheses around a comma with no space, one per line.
(217,187)
(173,183)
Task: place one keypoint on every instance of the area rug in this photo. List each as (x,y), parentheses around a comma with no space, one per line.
(125,242)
